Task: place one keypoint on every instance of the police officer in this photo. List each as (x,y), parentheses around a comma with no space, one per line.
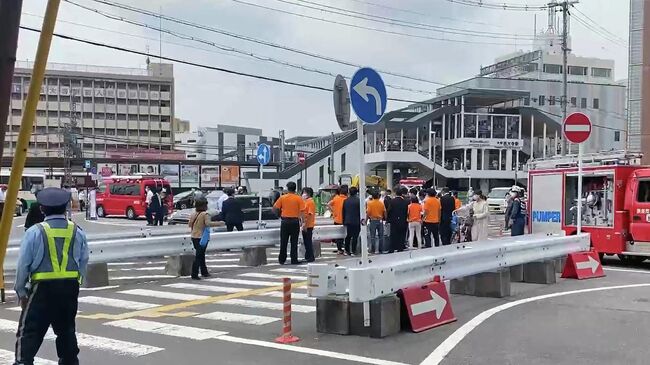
(52,262)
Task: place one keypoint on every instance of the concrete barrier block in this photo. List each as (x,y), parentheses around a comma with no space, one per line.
(333,315)
(96,275)
(384,318)
(517,273)
(180,265)
(463,286)
(317,249)
(253,256)
(540,272)
(494,284)
(560,262)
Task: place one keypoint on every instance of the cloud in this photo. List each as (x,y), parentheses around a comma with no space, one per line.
(208,98)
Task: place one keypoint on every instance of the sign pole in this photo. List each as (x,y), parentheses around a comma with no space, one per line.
(362,212)
(259,219)
(579,215)
(263,155)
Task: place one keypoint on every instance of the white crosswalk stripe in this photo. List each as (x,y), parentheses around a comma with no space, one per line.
(244,282)
(163,294)
(261,275)
(117,303)
(291,271)
(279,294)
(91,342)
(221,260)
(166,329)
(206,288)
(146,268)
(143,277)
(239,318)
(8,357)
(267,305)
(226,266)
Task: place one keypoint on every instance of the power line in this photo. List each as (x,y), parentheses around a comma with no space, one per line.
(404,23)
(500,6)
(228,48)
(378,30)
(602,32)
(255,40)
(195,64)
(597,25)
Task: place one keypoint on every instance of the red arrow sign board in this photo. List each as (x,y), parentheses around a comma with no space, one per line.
(427,306)
(583,265)
(577,127)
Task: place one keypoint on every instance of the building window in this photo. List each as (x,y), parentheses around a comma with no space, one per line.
(551,100)
(552,68)
(574,101)
(601,72)
(531,67)
(542,100)
(321,175)
(617,136)
(343,162)
(191,141)
(578,70)
(596,103)
(583,103)
(526,101)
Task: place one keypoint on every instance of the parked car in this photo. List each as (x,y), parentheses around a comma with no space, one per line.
(126,195)
(250,208)
(186,199)
(496,199)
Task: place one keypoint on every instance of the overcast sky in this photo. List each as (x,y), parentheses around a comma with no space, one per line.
(208,98)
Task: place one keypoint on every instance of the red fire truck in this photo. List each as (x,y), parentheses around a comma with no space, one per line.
(615,201)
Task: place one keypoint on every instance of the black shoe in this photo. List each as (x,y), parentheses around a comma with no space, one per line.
(206,275)
(196,278)
(296,262)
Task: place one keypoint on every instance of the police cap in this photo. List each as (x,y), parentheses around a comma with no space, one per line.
(53,197)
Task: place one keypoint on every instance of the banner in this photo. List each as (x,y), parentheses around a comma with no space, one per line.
(229,176)
(170,173)
(190,176)
(107,169)
(147,169)
(128,169)
(210,176)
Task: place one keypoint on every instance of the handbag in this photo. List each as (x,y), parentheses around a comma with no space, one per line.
(205,237)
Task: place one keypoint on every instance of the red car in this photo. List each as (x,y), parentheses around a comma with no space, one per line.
(126,195)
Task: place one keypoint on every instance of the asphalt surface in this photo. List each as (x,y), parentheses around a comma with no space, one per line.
(234,317)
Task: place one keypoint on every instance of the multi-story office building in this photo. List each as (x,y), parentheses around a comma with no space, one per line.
(639,79)
(223,143)
(113,109)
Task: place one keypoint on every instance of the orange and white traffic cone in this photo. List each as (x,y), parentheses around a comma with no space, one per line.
(286,336)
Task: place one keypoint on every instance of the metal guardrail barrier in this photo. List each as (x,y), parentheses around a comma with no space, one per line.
(110,250)
(386,274)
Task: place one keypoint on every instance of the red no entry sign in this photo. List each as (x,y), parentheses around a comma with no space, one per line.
(577,127)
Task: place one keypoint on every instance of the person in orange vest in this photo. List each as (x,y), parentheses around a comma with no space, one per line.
(415,222)
(290,206)
(376,214)
(308,223)
(457,201)
(336,207)
(432,209)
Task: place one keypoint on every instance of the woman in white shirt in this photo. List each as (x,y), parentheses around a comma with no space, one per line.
(480,226)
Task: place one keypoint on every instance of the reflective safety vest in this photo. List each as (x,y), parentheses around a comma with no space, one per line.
(59,245)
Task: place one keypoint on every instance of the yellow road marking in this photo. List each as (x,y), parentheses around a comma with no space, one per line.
(165,309)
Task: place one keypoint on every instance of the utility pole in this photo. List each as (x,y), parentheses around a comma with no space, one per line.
(9,23)
(564,8)
(331,164)
(282,157)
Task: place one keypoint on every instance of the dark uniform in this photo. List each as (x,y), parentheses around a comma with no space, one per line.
(53,259)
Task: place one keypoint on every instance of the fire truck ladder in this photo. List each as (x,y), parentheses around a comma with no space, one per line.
(619,157)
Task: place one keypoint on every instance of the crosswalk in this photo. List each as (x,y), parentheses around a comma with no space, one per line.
(212,322)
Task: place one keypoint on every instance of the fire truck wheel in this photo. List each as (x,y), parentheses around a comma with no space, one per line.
(632,260)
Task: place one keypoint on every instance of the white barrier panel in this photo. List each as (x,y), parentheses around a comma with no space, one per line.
(386,274)
(168,245)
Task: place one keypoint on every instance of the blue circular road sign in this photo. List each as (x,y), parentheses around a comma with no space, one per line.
(368,95)
(263,154)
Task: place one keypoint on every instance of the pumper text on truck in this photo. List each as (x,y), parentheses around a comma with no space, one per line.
(615,196)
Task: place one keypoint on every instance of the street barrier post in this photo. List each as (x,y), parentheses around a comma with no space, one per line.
(286,336)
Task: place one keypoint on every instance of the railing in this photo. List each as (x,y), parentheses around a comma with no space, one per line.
(110,250)
(385,274)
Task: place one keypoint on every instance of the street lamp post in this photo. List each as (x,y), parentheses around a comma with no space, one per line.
(433,158)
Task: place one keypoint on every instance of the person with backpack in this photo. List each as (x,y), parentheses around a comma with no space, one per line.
(200,224)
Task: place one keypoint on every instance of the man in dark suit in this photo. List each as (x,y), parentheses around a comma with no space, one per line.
(397,217)
(231,212)
(448,205)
